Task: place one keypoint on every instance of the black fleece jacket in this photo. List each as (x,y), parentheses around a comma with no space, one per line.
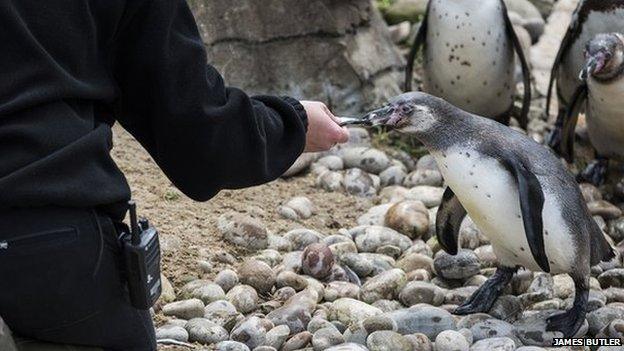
(70,68)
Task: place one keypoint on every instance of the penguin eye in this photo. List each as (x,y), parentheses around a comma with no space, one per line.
(407,109)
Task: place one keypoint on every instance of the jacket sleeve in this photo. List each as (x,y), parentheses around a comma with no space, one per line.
(203,135)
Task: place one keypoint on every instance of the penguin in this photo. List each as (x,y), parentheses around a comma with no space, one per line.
(468,53)
(600,94)
(514,189)
(591,17)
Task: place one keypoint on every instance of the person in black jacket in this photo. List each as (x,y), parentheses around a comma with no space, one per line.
(68,71)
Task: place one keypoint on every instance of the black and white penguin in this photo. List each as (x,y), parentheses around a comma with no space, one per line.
(601,94)
(590,18)
(468,54)
(515,190)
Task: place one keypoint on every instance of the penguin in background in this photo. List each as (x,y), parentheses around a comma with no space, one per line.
(590,18)
(516,191)
(468,53)
(601,95)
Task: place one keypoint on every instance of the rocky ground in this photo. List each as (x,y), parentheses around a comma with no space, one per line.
(343,256)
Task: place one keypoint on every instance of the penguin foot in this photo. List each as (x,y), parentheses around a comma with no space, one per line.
(483,299)
(554,140)
(568,322)
(595,172)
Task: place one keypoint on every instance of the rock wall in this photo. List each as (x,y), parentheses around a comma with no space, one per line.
(336,51)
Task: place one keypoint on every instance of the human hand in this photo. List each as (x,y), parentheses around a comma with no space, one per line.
(323,129)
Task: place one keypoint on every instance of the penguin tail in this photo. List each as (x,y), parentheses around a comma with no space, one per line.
(600,249)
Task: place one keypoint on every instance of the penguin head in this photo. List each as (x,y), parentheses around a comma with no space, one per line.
(412,112)
(604,57)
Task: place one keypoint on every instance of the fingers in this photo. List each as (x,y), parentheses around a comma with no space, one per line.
(324,131)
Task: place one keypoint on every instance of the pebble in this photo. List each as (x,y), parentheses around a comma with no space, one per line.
(424,319)
(332,162)
(205,331)
(416,292)
(461,266)
(174,332)
(243,297)
(531,329)
(220,312)
(423,177)
(458,295)
(301,238)
(392,194)
(415,261)
(420,342)
(291,279)
(491,328)
(506,307)
(601,317)
(542,286)
(319,322)
(604,209)
(386,340)
(394,175)
(450,340)
(279,243)
(291,261)
(428,195)
(387,305)
(298,341)
(184,309)
(325,338)
(251,332)
(379,322)
(368,159)
(590,192)
(318,260)
(351,311)
(303,207)
(330,181)
(370,238)
(410,218)
(337,289)
(348,347)
(231,346)
(243,231)
(383,286)
(296,312)
(494,344)
(359,183)
(257,274)
(563,286)
(613,278)
(226,279)
(277,336)
(168,293)
(376,215)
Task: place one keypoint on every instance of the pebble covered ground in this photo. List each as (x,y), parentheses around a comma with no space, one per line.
(343,256)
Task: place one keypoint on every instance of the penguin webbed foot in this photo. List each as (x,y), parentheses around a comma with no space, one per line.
(570,321)
(483,299)
(595,172)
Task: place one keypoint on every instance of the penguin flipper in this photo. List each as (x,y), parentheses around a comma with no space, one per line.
(450,215)
(531,206)
(419,40)
(569,123)
(566,43)
(526,71)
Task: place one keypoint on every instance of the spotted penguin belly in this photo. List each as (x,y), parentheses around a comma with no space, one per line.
(469,59)
(490,196)
(605,117)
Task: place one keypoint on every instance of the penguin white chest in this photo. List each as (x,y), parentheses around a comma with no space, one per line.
(469,59)
(605,117)
(490,196)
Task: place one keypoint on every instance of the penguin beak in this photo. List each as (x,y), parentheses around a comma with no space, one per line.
(380,116)
(593,65)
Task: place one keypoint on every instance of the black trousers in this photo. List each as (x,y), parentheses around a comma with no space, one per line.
(60,281)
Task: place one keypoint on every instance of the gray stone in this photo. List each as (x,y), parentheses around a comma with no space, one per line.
(185,309)
(279,243)
(491,328)
(243,231)
(325,338)
(370,238)
(613,278)
(450,340)
(226,279)
(506,307)
(169,331)
(277,336)
(429,195)
(231,346)
(291,261)
(423,177)
(386,340)
(296,312)
(531,329)
(367,159)
(350,311)
(375,215)
(251,332)
(394,175)
(347,347)
(416,292)
(317,260)
(461,266)
(205,332)
(410,218)
(336,290)
(405,10)
(542,285)
(414,261)
(420,342)
(244,298)
(298,341)
(386,285)
(301,238)
(379,322)
(220,312)
(330,181)
(457,296)
(494,344)
(601,317)
(604,209)
(359,183)
(332,162)
(423,319)
(291,279)
(387,305)
(302,206)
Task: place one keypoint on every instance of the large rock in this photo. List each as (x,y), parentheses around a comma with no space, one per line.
(424,319)
(350,59)
(350,311)
(461,266)
(243,231)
